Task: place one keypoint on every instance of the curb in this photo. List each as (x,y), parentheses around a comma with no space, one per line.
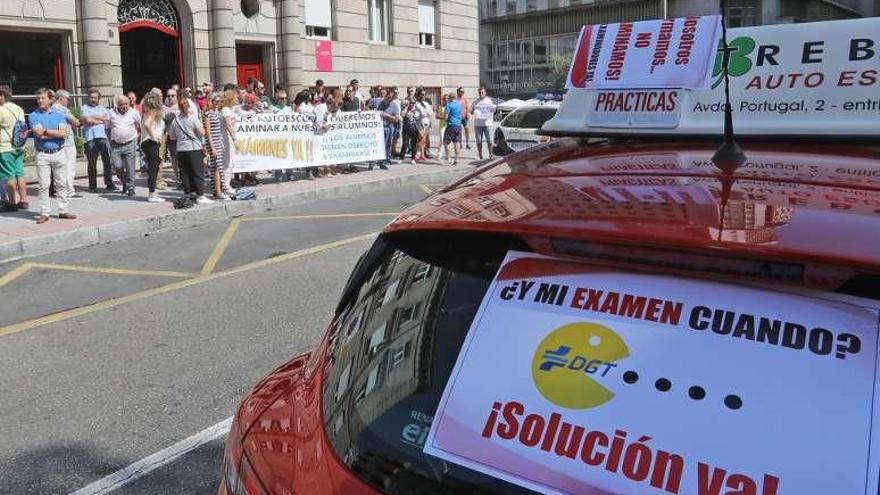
(116,231)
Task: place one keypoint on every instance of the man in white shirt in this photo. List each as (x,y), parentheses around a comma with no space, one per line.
(62,105)
(124,128)
(483,111)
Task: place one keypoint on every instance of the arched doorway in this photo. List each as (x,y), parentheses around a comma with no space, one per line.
(150,45)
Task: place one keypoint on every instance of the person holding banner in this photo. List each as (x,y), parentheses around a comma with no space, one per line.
(187,131)
(214,140)
(280,103)
(390,118)
(302,104)
(349,103)
(228,101)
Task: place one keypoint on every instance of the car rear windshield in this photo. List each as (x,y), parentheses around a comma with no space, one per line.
(401,326)
(529,118)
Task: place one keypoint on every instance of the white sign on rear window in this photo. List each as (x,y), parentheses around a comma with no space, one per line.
(818,78)
(576,379)
(670,53)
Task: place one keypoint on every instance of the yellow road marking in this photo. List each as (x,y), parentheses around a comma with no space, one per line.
(15,273)
(427,189)
(111,303)
(113,271)
(221,246)
(313,217)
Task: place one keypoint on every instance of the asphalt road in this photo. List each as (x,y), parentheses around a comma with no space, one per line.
(114,352)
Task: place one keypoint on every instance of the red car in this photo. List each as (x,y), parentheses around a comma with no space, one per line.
(352,416)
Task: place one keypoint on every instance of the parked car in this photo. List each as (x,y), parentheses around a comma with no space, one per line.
(352,416)
(519,129)
(503,108)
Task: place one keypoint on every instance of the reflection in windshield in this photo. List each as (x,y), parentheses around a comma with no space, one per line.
(665,206)
(390,355)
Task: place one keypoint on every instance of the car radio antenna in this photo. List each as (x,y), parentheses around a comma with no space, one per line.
(729,156)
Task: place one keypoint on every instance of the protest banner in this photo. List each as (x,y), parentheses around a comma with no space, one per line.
(668,53)
(578,379)
(293,140)
(793,80)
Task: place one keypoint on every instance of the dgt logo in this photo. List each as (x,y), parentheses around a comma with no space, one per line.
(569,358)
(558,358)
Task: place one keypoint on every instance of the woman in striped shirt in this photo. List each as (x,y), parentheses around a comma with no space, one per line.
(214,144)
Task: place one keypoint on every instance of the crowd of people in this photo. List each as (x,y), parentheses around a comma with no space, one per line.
(194,132)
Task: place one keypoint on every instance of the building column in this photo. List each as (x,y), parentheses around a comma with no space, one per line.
(291,46)
(223,41)
(99,71)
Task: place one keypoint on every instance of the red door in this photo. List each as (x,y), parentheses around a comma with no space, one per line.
(249,63)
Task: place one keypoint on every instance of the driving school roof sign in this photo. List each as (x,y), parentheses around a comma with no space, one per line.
(815,79)
(670,53)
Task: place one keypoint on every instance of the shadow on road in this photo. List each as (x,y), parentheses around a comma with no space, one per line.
(55,469)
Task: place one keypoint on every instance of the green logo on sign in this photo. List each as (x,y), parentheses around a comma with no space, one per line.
(739,62)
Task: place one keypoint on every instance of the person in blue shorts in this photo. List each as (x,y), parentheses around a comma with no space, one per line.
(454,126)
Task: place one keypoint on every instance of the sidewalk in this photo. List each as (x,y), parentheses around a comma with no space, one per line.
(110,216)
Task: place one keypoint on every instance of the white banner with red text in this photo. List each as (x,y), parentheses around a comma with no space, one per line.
(668,53)
(578,379)
(819,78)
(293,140)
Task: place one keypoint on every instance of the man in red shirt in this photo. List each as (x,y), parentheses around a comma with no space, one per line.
(465,116)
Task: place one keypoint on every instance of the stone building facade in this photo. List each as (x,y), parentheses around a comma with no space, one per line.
(117,45)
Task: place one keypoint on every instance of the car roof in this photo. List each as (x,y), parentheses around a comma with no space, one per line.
(789,201)
(534,104)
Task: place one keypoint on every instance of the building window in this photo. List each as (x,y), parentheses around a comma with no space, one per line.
(427,23)
(540,51)
(390,292)
(377,338)
(502,58)
(531,5)
(742,13)
(317,32)
(527,52)
(511,7)
(421,272)
(318,18)
(410,313)
(378,14)
(163,12)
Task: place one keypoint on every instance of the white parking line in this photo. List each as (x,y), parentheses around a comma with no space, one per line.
(144,466)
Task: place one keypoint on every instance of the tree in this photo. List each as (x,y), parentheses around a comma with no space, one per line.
(559,70)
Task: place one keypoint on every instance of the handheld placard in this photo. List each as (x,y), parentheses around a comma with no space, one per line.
(729,156)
